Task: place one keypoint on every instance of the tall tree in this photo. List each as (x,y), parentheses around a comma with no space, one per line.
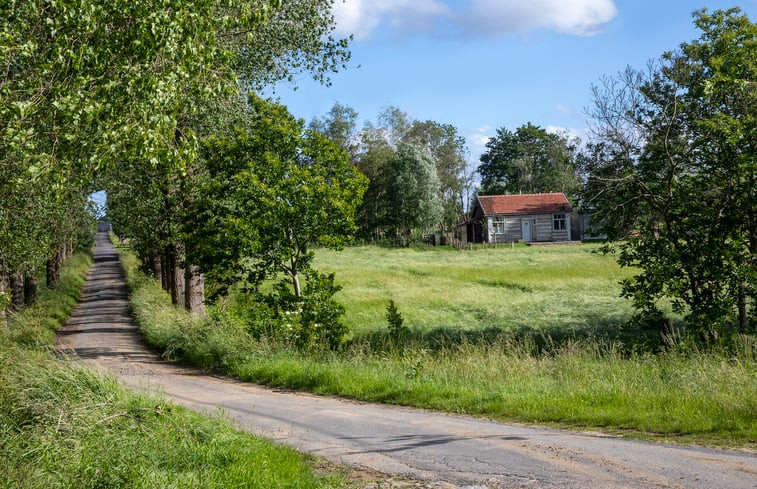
(448,151)
(529,160)
(413,191)
(267,196)
(674,172)
(340,126)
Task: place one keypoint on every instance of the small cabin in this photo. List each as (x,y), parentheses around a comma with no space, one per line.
(528,218)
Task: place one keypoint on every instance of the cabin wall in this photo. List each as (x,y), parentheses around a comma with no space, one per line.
(507,229)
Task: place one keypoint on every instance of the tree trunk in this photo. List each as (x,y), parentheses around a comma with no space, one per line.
(194,291)
(178,280)
(4,289)
(296,284)
(155,266)
(666,331)
(743,315)
(406,233)
(165,268)
(30,289)
(17,291)
(69,249)
(52,268)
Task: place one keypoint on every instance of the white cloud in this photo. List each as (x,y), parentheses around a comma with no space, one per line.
(566,109)
(362,17)
(577,17)
(570,132)
(480,18)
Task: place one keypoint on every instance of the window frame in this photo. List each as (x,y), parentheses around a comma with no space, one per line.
(498,225)
(559,222)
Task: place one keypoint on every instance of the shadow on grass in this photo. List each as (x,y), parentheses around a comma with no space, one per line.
(615,334)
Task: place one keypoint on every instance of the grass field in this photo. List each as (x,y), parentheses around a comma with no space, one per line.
(535,335)
(554,290)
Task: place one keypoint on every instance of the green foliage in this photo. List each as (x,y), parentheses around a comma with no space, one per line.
(297,38)
(310,321)
(269,194)
(426,183)
(529,160)
(674,173)
(412,191)
(395,322)
(339,125)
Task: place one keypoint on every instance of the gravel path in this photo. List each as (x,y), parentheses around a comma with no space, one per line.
(442,451)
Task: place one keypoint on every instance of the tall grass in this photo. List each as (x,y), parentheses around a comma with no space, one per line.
(545,289)
(517,369)
(64,426)
(700,397)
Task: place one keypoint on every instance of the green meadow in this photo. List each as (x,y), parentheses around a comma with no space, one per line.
(550,289)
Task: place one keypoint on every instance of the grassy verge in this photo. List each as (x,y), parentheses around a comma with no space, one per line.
(63,426)
(590,380)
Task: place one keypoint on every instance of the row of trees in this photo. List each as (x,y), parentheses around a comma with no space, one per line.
(127,98)
(417,171)
(419,176)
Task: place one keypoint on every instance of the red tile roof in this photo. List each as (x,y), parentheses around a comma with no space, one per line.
(524,204)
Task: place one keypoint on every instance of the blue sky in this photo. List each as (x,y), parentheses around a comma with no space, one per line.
(484,64)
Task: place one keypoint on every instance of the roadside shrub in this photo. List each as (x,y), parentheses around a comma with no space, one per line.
(395,322)
(312,320)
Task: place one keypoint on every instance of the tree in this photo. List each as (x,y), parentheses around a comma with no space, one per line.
(412,190)
(379,150)
(447,149)
(339,125)
(267,195)
(296,39)
(674,172)
(529,160)
(90,85)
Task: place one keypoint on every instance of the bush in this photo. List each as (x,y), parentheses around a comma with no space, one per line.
(312,320)
(395,321)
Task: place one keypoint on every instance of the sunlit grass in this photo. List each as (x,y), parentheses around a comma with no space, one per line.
(560,287)
(548,341)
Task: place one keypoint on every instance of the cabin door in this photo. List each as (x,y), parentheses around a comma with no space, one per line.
(525,224)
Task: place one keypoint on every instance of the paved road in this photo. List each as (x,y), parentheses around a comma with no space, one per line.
(443,450)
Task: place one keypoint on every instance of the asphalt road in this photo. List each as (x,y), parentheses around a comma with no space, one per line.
(445,451)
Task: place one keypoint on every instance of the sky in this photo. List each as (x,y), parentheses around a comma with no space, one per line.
(481,65)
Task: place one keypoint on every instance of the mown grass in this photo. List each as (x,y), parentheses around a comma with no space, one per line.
(64,426)
(522,366)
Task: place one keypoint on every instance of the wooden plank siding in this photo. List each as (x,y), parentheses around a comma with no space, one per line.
(512,229)
(541,231)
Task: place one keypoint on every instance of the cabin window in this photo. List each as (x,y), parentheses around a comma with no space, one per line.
(558,222)
(499,225)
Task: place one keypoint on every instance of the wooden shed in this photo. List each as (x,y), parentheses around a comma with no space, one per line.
(524,217)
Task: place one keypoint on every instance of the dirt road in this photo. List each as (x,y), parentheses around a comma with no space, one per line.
(445,451)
